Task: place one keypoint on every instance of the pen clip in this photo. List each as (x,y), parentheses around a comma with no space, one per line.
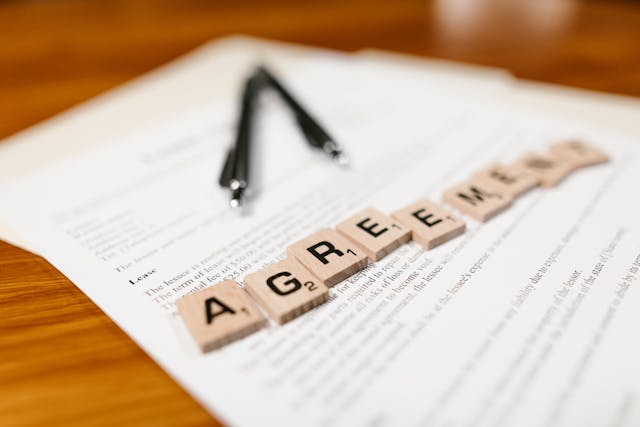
(313,132)
(310,132)
(227,169)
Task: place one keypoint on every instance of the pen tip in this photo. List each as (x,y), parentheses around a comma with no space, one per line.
(236,197)
(342,159)
(337,155)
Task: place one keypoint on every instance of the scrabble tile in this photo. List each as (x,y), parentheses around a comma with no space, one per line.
(285,290)
(329,256)
(219,314)
(376,233)
(579,153)
(549,169)
(477,200)
(507,179)
(430,224)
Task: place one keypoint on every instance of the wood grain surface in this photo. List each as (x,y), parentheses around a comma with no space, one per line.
(62,361)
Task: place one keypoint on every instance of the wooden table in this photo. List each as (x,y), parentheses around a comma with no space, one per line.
(62,361)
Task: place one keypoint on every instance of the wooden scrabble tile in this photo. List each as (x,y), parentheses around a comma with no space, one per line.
(430,224)
(579,153)
(286,290)
(329,256)
(376,233)
(477,200)
(219,314)
(507,179)
(549,169)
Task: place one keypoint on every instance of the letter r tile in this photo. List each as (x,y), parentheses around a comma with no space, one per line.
(285,290)
(430,224)
(219,314)
(376,233)
(329,256)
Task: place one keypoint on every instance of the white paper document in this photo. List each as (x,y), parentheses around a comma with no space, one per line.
(529,319)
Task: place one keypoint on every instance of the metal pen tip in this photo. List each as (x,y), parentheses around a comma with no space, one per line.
(336,154)
(236,198)
(342,159)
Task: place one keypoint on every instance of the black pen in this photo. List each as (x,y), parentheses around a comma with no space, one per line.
(314,133)
(235,173)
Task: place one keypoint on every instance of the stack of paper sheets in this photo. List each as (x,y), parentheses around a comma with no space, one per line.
(509,324)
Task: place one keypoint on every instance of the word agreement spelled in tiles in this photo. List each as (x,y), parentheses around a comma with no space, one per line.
(219,314)
(376,233)
(477,200)
(430,224)
(286,290)
(329,256)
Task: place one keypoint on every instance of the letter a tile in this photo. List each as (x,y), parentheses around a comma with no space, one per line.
(430,224)
(329,256)
(219,314)
(579,153)
(510,180)
(549,169)
(286,290)
(376,233)
(477,200)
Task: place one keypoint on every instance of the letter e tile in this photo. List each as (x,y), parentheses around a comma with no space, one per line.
(510,180)
(430,224)
(376,233)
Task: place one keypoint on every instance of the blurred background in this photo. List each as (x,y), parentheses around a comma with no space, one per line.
(56,53)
